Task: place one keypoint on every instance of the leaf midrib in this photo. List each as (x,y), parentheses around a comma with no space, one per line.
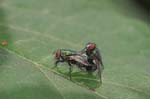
(58,39)
(33,31)
(38,66)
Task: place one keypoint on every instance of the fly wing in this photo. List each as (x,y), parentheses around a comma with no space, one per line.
(98,56)
(79,59)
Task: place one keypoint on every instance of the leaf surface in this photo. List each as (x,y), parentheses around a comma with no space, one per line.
(35,29)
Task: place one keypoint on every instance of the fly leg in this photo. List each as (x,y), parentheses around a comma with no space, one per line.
(99,74)
(57,61)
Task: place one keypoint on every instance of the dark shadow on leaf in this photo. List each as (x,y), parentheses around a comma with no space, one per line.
(90,81)
(87,80)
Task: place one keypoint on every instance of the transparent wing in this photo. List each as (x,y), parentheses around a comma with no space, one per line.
(99,57)
(79,59)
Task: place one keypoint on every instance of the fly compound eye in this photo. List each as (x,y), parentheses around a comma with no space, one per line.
(57,54)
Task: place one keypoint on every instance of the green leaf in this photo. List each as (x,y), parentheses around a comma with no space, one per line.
(23,78)
(31,30)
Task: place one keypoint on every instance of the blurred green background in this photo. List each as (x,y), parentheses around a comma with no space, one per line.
(34,29)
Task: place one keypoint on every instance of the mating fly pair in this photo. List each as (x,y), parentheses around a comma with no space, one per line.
(89,59)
